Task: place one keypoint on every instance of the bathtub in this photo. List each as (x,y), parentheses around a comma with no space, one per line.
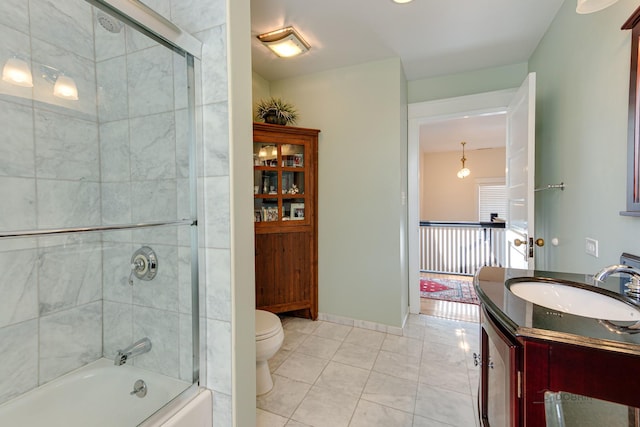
(97,395)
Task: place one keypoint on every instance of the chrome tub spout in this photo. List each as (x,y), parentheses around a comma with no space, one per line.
(137,348)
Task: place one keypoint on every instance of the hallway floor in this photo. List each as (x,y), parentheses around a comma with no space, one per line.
(332,375)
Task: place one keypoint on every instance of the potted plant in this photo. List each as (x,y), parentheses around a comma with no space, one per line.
(276,111)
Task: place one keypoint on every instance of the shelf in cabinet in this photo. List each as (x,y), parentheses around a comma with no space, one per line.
(279,196)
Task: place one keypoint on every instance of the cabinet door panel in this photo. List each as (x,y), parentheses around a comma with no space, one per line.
(294,279)
(283,269)
(267,248)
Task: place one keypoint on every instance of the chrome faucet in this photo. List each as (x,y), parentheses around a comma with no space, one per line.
(633,287)
(136,349)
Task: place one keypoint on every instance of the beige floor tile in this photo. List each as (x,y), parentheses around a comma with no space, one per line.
(325,407)
(328,374)
(413,330)
(398,365)
(419,421)
(438,352)
(452,376)
(297,324)
(267,419)
(369,414)
(356,355)
(294,423)
(302,367)
(333,331)
(293,339)
(365,338)
(323,348)
(285,396)
(344,378)
(278,358)
(402,345)
(391,391)
(445,405)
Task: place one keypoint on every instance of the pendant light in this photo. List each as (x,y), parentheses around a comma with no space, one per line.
(463,172)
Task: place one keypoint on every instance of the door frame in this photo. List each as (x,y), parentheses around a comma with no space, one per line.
(421,113)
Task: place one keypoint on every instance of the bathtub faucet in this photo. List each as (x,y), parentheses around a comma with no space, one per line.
(137,348)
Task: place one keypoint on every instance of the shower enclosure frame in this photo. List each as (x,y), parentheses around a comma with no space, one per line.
(144,19)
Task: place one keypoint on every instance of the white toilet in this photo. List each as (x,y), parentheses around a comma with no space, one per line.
(269,337)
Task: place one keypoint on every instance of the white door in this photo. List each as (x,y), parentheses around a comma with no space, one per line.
(520,164)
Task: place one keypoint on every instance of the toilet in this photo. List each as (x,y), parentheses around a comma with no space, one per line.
(269,337)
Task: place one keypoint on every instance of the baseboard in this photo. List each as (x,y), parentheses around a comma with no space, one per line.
(364,324)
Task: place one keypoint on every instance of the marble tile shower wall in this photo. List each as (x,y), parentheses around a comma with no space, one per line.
(110,157)
(142,112)
(207,21)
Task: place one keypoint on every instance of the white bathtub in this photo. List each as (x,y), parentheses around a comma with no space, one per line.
(97,395)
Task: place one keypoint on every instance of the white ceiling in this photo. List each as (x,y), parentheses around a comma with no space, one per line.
(431,38)
(479,132)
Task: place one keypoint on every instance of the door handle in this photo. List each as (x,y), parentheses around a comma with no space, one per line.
(519,242)
(540,242)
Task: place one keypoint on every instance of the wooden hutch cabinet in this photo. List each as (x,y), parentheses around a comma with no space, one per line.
(285,178)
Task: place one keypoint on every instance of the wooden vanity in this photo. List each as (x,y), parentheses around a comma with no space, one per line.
(527,350)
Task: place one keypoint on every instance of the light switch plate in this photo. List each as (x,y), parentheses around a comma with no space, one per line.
(591,246)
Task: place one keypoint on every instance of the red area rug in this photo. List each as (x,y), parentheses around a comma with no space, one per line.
(449,290)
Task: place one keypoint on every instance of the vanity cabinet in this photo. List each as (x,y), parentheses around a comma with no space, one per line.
(285,167)
(516,371)
(499,395)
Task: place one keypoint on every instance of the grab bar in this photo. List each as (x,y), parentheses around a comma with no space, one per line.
(55,231)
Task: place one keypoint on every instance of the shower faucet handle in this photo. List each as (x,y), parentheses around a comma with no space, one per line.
(144,264)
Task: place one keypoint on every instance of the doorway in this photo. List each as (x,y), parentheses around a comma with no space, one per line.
(431,112)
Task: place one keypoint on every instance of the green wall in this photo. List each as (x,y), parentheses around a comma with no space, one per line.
(582,67)
(472,82)
(361,112)
(243,344)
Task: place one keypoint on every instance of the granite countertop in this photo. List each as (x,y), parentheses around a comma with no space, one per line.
(525,319)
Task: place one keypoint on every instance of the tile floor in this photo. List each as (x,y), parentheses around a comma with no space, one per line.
(332,375)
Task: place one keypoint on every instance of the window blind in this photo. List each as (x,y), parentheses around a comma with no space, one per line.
(492,198)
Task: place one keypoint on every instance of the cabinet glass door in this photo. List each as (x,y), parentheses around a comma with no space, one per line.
(279,182)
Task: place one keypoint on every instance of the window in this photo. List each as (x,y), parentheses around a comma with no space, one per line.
(492,198)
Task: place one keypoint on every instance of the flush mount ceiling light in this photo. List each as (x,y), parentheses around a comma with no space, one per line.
(285,43)
(17,72)
(463,172)
(402,1)
(590,6)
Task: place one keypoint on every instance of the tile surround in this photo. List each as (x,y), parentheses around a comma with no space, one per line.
(69,163)
(111,201)
(373,378)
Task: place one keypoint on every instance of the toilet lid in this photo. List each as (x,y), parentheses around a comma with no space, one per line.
(267,324)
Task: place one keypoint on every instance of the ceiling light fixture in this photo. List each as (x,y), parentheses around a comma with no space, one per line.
(285,43)
(402,1)
(590,6)
(17,72)
(463,172)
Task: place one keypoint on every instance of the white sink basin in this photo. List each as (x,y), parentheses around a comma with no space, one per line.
(575,298)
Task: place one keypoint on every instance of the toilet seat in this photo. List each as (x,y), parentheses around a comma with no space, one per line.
(267,325)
